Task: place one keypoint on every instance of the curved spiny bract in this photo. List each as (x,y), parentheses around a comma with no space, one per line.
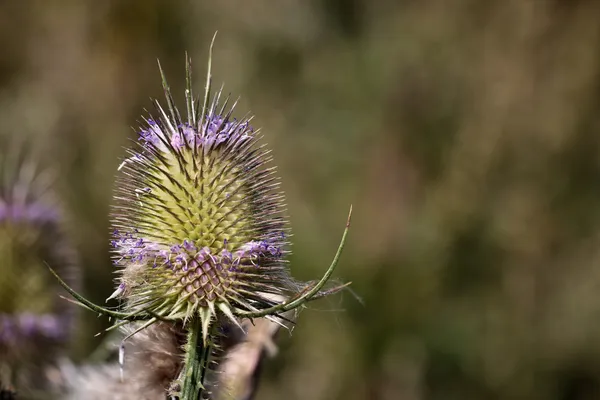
(199,225)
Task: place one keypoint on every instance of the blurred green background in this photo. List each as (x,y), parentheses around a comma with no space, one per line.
(465,133)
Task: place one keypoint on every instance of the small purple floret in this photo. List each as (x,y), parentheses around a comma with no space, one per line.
(259,248)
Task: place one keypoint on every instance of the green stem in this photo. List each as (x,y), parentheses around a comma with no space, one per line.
(196,362)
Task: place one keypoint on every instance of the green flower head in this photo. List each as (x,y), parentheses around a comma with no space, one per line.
(199,224)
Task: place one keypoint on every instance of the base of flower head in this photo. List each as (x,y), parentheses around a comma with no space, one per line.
(181,281)
(312,291)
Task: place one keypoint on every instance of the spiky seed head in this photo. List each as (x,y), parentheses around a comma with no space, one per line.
(34,324)
(198,221)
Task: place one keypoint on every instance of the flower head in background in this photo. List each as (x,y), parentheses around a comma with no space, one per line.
(35,326)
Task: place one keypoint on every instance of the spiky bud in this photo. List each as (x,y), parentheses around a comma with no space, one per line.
(34,325)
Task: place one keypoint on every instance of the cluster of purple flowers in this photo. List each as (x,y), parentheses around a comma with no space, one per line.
(259,248)
(215,131)
(129,246)
(136,249)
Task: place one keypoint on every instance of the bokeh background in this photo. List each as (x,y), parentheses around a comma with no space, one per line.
(465,133)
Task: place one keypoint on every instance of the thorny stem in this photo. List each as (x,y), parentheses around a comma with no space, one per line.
(205,362)
(196,363)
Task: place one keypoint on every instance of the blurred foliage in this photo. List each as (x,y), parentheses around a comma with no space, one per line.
(465,133)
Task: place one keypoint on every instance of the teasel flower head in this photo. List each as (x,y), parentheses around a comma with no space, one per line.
(199,228)
(35,326)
